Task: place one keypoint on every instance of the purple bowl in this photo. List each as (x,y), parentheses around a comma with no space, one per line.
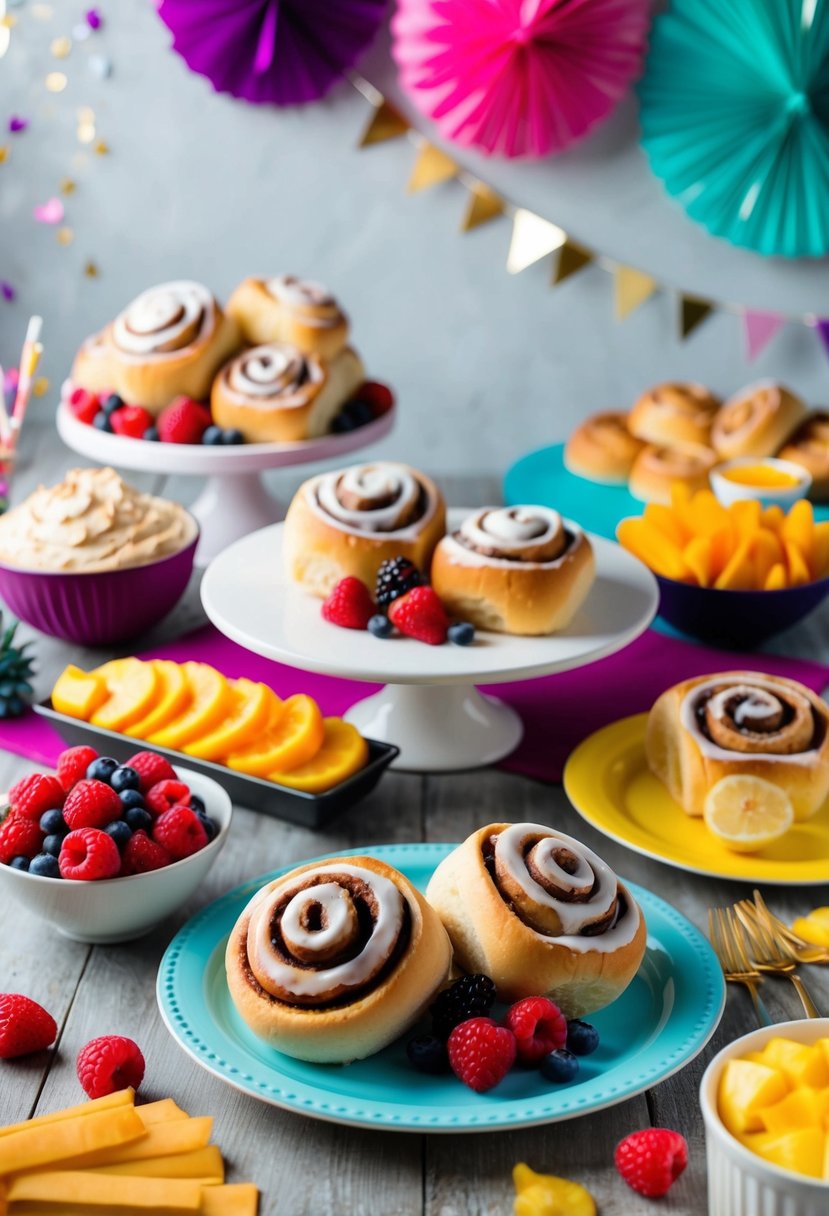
(99,608)
(737,619)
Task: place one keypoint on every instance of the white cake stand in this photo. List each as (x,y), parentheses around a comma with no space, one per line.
(429,708)
(234,500)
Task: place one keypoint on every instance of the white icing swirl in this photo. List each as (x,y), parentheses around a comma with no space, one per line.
(274,370)
(755,718)
(164,319)
(316,302)
(389,495)
(512,529)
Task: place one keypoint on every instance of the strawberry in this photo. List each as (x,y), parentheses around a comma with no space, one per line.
(151,768)
(481,1053)
(73,763)
(379,396)
(420,614)
(84,405)
(131,420)
(92,804)
(142,854)
(650,1161)
(19,838)
(349,605)
(183,421)
(539,1027)
(34,794)
(166,794)
(25,1026)
(109,1063)
(88,854)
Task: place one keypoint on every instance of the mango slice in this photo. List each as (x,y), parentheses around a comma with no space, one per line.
(132,685)
(814,928)
(79,693)
(171,697)
(776,578)
(106,1192)
(547,1195)
(251,707)
(343,753)
(236,1199)
(210,701)
(66,1139)
(159,1140)
(293,736)
(121,1097)
(203,1163)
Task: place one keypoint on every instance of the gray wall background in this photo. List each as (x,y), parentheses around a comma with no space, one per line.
(486,365)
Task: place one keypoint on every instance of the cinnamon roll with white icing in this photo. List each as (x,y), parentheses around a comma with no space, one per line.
(514,570)
(275,393)
(738,722)
(348,522)
(287,308)
(540,913)
(169,341)
(336,959)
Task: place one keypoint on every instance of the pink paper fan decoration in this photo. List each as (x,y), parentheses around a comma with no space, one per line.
(518,77)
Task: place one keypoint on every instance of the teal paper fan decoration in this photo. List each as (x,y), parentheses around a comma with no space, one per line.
(735,119)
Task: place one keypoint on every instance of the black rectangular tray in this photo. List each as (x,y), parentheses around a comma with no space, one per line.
(308,810)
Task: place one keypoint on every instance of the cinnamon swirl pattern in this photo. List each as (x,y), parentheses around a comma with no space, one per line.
(335,960)
(657,469)
(539,912)
(514,570)
(603,449)
(286,308)
(757,421)
(674,413)
(740,722)
(809,447)
(348,522)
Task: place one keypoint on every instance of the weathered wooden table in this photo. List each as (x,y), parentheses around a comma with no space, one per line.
(308,1167)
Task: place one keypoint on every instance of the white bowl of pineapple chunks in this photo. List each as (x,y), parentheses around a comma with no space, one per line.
(765,1102)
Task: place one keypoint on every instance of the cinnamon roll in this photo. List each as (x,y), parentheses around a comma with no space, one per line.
(540,913)
(169,341)
(756,421)
(809,447)
(336,959)
(674,413)
(657,469)
(275,393)
(740,722)
(514,570)
(289,309)
(348,522)
(602,448)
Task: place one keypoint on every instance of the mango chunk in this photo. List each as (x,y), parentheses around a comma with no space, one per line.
(813,928)
(776,579)
(78,693)
(803,1107)
(107,1191)
(801,1150)
(67,1139)
(738,575)
(205,1164)
(802,1065)
(548,1195)
(236,1199)
(746,1088)
(653,548)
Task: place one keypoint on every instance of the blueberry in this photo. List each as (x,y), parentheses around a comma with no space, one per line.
(124,778)
(45,865)
(52,844)
(427,1053)
(380,626)
(232,436)
(559,1066)
(102,769)
(208,824)
(101,422)
(582,1038)
(462,633)
(111,403)
(197,804)
(342,423)
(131,798)
(151,434)
(119,831)
(212,436)
(19,863)
(53,823)
(361,412)
(136,818)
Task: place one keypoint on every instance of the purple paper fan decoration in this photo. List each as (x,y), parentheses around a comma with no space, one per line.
(278,52)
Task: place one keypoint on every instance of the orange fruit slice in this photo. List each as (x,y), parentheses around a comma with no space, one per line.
(132,687)
(251,706)
(210,701)
(292,736)
(172,695)
(343,753)
(79,693)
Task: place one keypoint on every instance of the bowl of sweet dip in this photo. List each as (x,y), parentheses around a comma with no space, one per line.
(772,482)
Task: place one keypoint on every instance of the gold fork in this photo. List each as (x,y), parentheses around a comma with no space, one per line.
(771,954)
(726,938)
(803,951)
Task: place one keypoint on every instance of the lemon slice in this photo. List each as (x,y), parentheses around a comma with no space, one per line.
(747,813)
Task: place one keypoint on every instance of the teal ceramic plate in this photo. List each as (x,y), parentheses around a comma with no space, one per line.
(662,1021)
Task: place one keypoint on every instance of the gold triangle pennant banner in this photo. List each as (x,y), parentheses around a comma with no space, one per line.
(533,238)
(572,257)
(385,123)
(482,205)
(631,288)
(693,311)
(431,167)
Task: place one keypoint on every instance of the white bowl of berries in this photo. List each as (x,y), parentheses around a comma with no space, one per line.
(105,851)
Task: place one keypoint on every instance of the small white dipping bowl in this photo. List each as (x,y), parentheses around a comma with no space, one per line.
(120,909)
(728,491)
(739,1182)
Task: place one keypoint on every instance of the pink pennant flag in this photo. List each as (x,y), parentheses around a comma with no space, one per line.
(822,327)
(759,329)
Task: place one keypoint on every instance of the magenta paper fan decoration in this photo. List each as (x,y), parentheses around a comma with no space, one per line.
(278,52)
(518,77)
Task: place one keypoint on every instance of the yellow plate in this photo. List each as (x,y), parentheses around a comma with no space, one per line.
(608,781)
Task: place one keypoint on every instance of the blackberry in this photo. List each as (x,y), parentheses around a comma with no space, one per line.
(396,576)
(472,996)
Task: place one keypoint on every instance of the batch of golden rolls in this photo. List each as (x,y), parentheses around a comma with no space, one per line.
(678,432)
(276,364)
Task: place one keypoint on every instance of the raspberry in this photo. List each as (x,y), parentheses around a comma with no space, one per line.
(180,832)
(165,794)
(34,794)
(109,1063)
(25,1026)
(650,1161)
(420,615)
(142,855)
(396,576)
(183,421)
(72,765)
(539,1027)
(84,405)
(349,605)
(130,420)
(471,996)
(481,1053)
(151,768)
(19,838)
(92,804)
(88,854)
(379,396)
